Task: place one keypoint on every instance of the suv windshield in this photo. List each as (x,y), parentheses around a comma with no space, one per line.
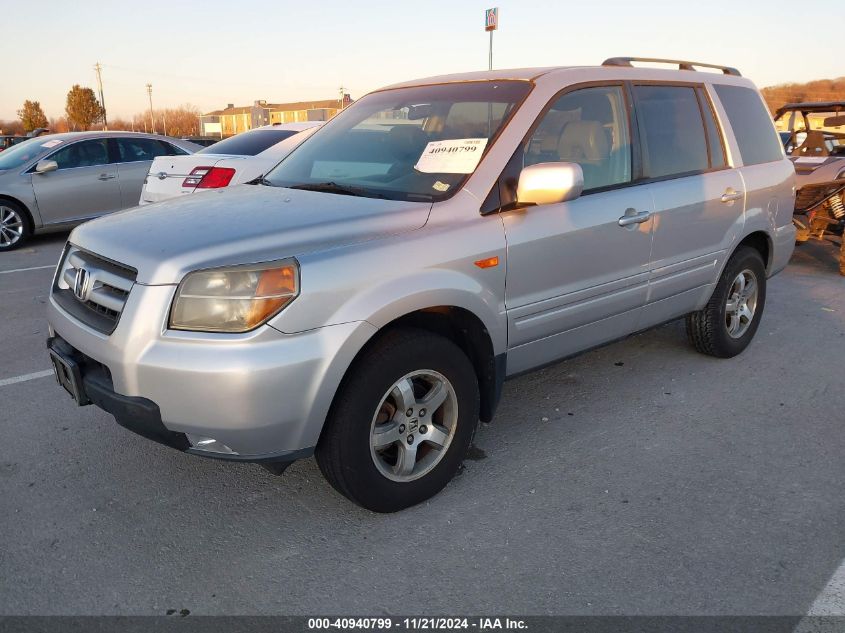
(248,143)
(20,154)
(414,144)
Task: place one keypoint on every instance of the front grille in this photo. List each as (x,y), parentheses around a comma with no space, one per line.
(93,289)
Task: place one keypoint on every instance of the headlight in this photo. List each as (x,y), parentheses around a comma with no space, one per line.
(234,299)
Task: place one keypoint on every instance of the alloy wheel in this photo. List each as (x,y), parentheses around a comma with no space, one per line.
(11,227)
(413,425)
(741,304)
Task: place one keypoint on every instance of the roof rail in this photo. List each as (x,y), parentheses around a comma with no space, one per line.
(682,65)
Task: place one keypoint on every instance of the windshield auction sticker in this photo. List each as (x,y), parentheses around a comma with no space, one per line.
(455,156)
(52,143)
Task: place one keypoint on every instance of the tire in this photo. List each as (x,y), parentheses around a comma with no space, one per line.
(368,443)
(722,328)
(15,225)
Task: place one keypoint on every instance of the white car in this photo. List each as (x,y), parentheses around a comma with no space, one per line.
(233,161)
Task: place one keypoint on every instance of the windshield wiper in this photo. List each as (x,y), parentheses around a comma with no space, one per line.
(333,187)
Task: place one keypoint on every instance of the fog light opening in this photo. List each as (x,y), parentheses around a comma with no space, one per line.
(208,444)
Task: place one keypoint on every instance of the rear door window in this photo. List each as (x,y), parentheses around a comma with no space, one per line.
(672,134)
(752,126)
(132,150)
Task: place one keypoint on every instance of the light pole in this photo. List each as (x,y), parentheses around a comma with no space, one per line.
(152,119)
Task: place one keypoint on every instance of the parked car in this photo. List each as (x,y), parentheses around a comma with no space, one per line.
(230,162)
(7,141)
(366,303)
(57,181)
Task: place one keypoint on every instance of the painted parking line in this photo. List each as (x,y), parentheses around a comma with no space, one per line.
(38,374)
(831,600)
(825,614)
(23,270)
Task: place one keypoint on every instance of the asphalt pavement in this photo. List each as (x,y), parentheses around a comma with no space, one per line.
(640,478)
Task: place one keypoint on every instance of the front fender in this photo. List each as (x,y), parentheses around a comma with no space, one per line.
(383,280)
(385,302)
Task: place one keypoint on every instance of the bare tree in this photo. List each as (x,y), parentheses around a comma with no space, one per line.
(14,128)
(59,124)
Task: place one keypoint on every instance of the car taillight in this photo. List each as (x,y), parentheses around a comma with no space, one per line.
(209,177)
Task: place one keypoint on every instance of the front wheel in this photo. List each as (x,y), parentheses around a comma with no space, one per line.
(15,227)
(728,322)
(402,421)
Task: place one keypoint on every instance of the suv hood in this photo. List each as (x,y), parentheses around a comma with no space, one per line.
(238,225)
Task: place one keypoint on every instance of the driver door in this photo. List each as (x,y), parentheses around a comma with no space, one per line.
(577,278)
(84,186)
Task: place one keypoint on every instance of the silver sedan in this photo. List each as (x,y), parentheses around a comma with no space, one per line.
(57,181)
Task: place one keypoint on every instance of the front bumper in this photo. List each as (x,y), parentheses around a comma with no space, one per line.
(260,396)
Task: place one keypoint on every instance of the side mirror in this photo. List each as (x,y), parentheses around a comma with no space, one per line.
(44,166)
(549,183)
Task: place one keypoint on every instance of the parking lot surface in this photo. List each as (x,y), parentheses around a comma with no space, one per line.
(640,478)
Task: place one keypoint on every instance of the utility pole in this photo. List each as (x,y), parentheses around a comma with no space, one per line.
(152,119)
(97,69)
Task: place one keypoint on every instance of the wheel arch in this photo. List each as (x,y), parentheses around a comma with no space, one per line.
(464,328)
(762,242)
(30,216)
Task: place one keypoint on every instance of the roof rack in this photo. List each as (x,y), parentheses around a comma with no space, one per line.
(682,65)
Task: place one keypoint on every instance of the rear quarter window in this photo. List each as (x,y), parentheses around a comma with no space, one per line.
(752,126)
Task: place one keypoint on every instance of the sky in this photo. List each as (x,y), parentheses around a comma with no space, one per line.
(220,51)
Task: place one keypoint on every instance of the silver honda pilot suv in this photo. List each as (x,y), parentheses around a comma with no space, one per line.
(366,299)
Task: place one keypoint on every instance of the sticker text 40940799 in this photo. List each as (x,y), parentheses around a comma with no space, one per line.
(453,156)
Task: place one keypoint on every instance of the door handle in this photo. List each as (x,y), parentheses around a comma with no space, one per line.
(732,196)
(633,216)
(106,176)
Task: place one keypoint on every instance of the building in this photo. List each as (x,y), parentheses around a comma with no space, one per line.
(233,120)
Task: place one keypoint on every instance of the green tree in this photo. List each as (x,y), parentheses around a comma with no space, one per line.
(82,108)
(32,116)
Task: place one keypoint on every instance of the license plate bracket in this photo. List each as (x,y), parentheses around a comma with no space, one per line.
(69,375)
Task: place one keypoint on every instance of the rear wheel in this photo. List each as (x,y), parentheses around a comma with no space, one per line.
(15,227)
(402,422)
(728,322)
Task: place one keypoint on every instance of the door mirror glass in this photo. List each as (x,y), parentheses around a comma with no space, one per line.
(549,183)
(44,166)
